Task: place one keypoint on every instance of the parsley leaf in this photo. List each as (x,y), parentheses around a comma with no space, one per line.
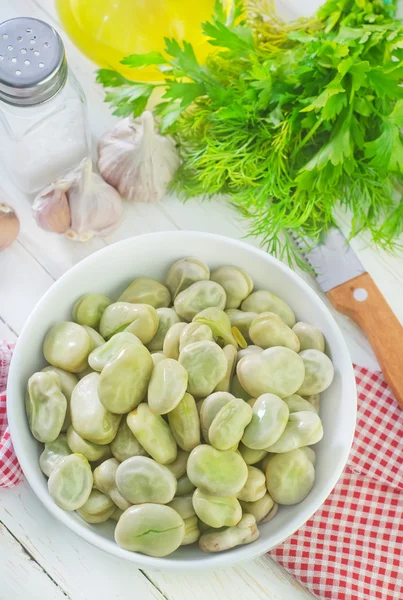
(129,99)
(109,78)
(387,149)
(184,92)
(236,38)
(183,60)
(335,150)
(331,100)
(168,113)
(384,84)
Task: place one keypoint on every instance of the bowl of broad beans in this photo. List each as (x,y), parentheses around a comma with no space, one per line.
(182,400)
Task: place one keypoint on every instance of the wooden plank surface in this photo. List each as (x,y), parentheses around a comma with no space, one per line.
(86,573)
(19,570)
(40,558)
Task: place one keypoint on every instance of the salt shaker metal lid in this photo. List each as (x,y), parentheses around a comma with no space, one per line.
(33,65)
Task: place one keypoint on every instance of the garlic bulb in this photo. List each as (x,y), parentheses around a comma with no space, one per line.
(95,206)
(9,225)
(137,160)
(51,207)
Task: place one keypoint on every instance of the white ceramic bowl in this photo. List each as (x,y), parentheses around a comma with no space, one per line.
(108,272)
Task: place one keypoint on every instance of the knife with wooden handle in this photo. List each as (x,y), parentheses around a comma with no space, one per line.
(353,292)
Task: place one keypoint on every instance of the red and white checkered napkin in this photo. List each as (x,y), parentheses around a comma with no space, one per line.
(10,470)
(352,548)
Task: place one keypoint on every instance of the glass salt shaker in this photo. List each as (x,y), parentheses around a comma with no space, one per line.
(44,130)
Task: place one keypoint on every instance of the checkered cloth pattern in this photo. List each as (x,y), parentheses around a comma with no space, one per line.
(10,471)
(352,548)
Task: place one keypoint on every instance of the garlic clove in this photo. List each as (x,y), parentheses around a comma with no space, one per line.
(95,206)
(51,208)
(136,160)
(9,225)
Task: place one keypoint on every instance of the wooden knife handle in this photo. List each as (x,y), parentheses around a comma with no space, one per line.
(361,300)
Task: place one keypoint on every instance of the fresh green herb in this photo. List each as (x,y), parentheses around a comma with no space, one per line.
(290,120)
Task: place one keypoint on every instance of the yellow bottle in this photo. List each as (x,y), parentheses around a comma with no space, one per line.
(108,30)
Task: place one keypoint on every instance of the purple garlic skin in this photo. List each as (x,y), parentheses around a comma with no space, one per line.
(80,205)
(136,160)
(95,206)
(51,207)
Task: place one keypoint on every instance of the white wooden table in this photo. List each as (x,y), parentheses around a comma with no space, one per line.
(39,558)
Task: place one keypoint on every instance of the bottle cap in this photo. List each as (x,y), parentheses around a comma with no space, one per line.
(33,65)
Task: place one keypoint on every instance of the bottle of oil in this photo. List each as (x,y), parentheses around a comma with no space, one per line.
(108,30)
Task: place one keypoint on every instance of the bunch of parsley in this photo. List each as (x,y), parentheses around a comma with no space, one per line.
(289,120)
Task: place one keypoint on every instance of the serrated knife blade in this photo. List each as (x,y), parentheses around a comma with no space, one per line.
(353,292)
(334,261)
